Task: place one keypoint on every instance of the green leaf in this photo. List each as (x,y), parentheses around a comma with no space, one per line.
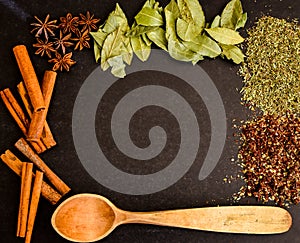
(204,46)
(242,21)
(153,4)
(118,67)
(97,51)
(225,35)
(172,7)
(231,14)
(137,30)
(216,22)
(158,37)
(170,25)
(197,57)
(112,46)
(145,38)
(149,17)
(233,52)
(127,52)
(140,48)
(99,37)
(186,31)
(116,19)
(179,51)
(191,11)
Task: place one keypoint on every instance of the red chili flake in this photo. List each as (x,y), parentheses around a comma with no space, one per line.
(270,159)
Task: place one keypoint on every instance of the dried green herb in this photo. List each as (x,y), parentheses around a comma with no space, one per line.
(271,70)
(225,36)
(140,47)
(205,46)
(179,28)
(146,30)
(149,17)
(232,16)
(233,53)
(112,47)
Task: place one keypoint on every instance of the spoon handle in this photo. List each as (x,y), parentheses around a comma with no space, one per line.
(227,219)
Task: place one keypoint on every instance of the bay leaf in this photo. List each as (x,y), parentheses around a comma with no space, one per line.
(242,21)
(158,37)
(149,17)
(179,51)
(233,53)
(197,57)
(99,36)
(216,22)
(97,51)
(153,4)
(118,67)
(137,30)
(172,7)
(170,25)
(191,11)
(186,30)
(127,52)
(231,14)
(112,46)
(145,38)
(225,35)
(205,46)
(116,19)
(140,48)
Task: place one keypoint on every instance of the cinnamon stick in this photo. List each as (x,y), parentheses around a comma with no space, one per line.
(24,199)
(46,137)
(24,147)
(35,197)
(14,110)
(19,116)
(23,174)
(16,165)
(39,117)
(29,77)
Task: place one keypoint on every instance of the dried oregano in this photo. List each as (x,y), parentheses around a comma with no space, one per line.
(271,70)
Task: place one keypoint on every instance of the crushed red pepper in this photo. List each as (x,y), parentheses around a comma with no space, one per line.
(270,159)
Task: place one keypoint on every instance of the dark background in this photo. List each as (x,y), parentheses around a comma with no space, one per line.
(188,192)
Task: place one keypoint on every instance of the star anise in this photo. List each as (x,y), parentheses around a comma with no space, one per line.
(44,47)
(88,22)
(44,27)
(63,42)
(62,62)
(82,40)
(69,23)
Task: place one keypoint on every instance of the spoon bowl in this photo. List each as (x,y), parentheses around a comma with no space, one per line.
(89,217)
(85,218)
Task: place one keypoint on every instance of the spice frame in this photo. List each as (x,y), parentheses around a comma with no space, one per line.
(188,191)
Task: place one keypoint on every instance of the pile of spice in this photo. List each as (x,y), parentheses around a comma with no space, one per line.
(54,38)
(269,153)
(271,70)
(271,159)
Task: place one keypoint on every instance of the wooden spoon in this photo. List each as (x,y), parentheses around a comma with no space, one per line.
(90,217)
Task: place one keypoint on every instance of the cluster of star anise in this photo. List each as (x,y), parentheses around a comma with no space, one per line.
(55,38)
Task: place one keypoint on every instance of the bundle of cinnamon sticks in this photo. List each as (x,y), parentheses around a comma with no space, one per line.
(38,138)
(36,101)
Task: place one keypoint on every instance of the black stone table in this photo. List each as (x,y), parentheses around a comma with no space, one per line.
(70,160)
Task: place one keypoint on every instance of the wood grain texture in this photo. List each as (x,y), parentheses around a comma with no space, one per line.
(90,217)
